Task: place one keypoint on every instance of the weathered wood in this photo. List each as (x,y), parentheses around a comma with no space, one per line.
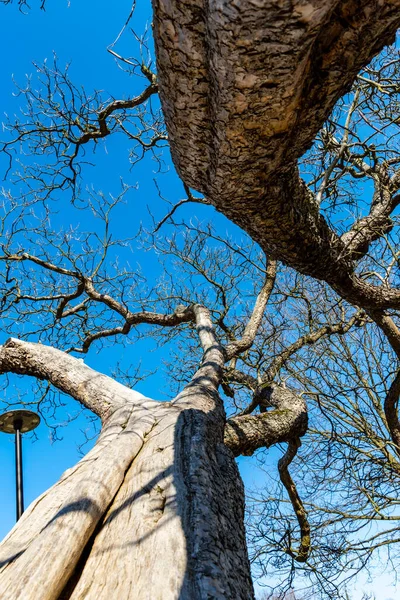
(97,392)
(155,510)
(40,553)
(170,527)
(175,528)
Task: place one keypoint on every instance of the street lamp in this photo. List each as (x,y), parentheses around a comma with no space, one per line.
(19,422)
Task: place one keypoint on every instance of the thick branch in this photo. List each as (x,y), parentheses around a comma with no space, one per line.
(243,435)
(242,94)
(99,393)
(287,225)
(370,228)
(391,403)
(243,98)
(389,328)
(202,390)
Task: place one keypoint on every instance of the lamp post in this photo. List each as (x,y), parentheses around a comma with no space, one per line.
(19,422)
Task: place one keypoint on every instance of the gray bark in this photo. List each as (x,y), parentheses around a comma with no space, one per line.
(155,510)
(245,86)
(286,422)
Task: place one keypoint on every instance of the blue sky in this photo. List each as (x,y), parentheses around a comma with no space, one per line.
(80,33)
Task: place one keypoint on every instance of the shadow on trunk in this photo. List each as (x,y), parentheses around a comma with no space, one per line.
(155,510)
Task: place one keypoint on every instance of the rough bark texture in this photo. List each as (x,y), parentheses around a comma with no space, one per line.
(167,533)
(245,86)
(154,511)
(243,435)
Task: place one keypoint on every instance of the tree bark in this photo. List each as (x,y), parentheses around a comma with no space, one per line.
(154,511)
(245,87)
(156,508)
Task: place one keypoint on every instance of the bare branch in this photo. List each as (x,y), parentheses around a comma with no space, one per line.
(389,327)
(311,338)
(280,360)
(210,370)
(391,411)
(301,555)
(250,332)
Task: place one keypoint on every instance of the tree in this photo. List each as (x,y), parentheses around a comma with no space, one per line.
(238,119)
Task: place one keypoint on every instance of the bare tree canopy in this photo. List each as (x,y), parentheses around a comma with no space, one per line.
(285,117)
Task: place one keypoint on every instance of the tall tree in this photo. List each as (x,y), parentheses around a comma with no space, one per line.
(245,88)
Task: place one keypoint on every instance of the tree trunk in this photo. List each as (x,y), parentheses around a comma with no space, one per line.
(155,510)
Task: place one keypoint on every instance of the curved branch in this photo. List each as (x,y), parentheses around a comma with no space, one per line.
(391,411)
(236,376)
(392,333)
(85,285)
(250,332)
(97,392)
(238,121)
(370,228)
(301,555)
(116,105)
(389,328)
(245,434)
(215,81)
(308,340)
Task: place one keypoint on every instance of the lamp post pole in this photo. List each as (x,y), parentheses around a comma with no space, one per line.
(19,422)
(18,469)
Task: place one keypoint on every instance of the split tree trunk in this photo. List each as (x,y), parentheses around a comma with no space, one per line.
(154,511)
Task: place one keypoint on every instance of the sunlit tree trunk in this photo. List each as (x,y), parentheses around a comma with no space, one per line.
(155,509)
